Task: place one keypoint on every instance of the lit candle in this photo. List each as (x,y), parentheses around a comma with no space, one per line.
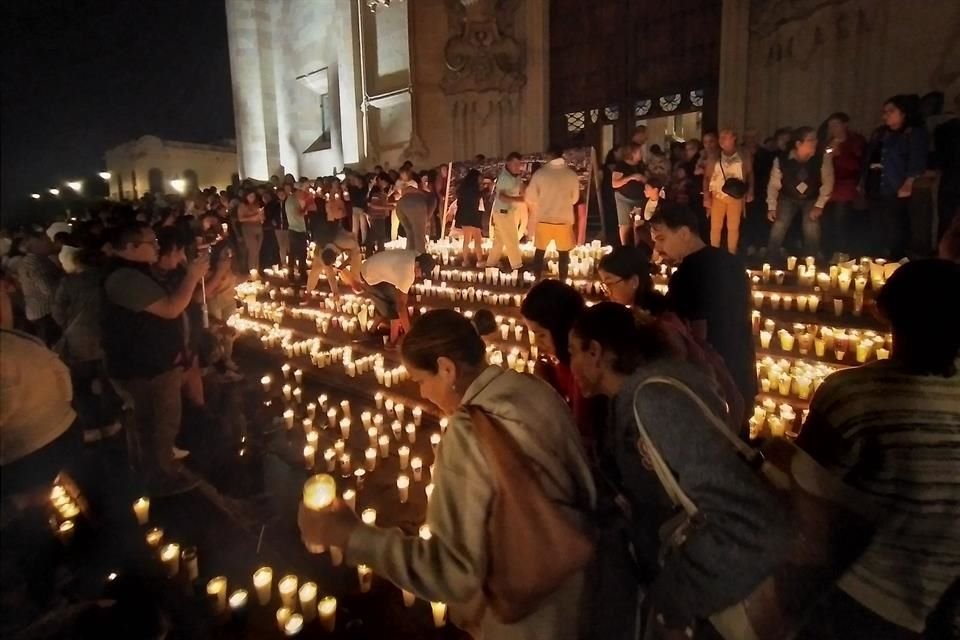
(288,419)
(428,490)
(65,531)
(384,446)
(882,354)
(308,600)
(434,441)
(417,415)
(286,370)
(293,626)
(404,453)
(330,457)
(345,428)
(287,392)
(322,401)
(345,407)
(345,465)
(319,492)
(411,430)
(283,616)
(311,410)
(424,532)
(838,306)
(154,537)
(263,583)
(307,425)
(444,422)
(327,610)
(350,498)
(297,395)
(188,562)
(170,557)
(266,381)
(298,376)
(378,399)
(397,429)
(439,614)
(403,487)
(217,592)
(339,446)
(238,601)
(359,475)
(370,457)
(141,508)
(288,590)
(365,577)
(309,456)
(399,409)
(365,419)
(416,464)
(332,418)
(369,516)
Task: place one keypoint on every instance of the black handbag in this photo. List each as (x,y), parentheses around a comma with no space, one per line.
(733,187)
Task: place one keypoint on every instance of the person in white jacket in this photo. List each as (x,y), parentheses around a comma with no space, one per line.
(553,192)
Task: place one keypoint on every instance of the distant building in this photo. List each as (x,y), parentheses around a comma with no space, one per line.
(151,164)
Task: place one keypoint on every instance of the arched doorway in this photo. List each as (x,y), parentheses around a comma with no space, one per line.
(192,182)
(155,181)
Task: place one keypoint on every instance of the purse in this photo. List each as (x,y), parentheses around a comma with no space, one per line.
(532,547)
(832,524)
(733,187)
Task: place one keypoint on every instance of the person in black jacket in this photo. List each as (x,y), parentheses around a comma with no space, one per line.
(469,203)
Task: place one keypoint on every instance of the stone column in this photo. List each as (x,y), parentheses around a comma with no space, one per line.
(734,45)
(248,108)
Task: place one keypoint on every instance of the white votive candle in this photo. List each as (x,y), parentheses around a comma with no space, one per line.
(263,584)
(217,592)
(308,600)
(403,488)
(141,508)
(327,610)
(364,577)
(288,590)
(416,465)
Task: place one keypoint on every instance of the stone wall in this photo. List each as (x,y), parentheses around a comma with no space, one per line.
(809,58)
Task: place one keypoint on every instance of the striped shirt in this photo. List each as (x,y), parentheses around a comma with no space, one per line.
(896,436)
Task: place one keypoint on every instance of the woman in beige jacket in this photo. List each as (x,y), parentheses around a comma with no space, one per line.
(445,356)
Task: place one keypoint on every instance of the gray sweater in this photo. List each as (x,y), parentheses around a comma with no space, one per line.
(743,529)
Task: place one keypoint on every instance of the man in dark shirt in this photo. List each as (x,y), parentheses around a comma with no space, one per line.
(709,290)
(142,340)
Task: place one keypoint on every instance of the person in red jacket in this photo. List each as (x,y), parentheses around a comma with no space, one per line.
(847,149)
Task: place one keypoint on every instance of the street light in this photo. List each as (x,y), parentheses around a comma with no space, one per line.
(179,184)
(54,191)
(105,175)
(35,196)
(76,185)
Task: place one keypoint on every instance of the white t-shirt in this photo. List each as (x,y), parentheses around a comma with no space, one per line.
(35,396)
(396,267)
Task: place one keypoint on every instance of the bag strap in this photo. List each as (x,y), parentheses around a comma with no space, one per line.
(667,479)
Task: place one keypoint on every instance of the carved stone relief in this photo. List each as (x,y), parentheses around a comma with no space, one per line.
(482,52)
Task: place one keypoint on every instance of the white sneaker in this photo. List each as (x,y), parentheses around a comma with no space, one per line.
(179,454)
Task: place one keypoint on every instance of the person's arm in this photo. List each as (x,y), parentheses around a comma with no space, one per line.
(748,174)
(449,566)
(61,305)
(621,180)
(401,300)
(826,186)
(331,275)
(918,147)
(247,213)
(773,189)
(171,306)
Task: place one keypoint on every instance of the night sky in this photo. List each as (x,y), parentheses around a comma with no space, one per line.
(80,77)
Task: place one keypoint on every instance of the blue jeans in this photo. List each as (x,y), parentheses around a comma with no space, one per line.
(787,210)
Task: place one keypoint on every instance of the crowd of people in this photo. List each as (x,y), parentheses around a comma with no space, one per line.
(128,307)
(891,195)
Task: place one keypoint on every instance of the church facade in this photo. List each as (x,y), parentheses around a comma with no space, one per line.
(323,84)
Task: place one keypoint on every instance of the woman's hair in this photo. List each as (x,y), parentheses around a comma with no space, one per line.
(632,338)
(924,315)
(799,135)
(470,183)
(627,262)
(169,239)
(909,105)
(555,306)
(484,322)
(446,333)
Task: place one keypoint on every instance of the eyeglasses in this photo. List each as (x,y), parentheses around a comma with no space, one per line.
(606,284)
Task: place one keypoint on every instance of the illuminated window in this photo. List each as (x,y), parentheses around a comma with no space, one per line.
(642,107)
(575,121)
(670,102)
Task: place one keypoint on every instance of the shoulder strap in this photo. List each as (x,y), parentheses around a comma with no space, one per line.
(665,475)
